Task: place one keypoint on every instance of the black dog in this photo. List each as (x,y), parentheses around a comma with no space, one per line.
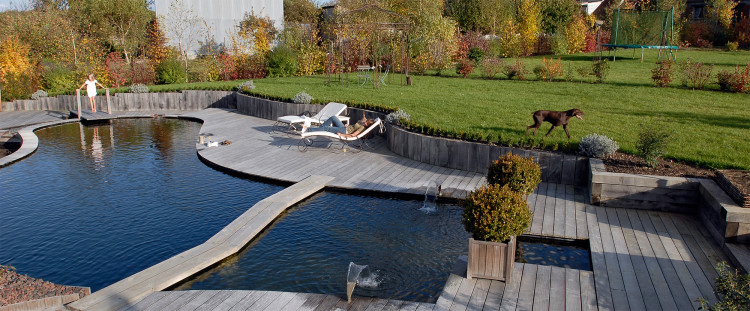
(557,118)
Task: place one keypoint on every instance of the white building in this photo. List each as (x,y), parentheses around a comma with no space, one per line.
(223,16)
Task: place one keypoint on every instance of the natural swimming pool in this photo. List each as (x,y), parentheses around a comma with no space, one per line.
(97,204)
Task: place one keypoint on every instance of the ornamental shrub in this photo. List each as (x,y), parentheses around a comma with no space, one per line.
(597,146)
(302,98)
(495,213)
(695,74)
(476,54)
(518,70)
(491,66)
(246,86)
(600,69)
(519,173)
(723,77)
(282,62)
(652,143)
(549,69)
(662,74)
(465,67)
(171,71)
(58,79)
(396,117)
(737,81)
(138,88)
(732,46)
(732,288)
(39,94)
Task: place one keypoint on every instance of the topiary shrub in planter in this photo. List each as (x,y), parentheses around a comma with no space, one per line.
(494,215)
(519,173)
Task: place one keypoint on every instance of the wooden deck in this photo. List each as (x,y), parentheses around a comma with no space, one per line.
(641,260)
(255,150)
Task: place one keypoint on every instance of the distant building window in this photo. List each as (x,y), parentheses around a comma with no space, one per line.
(699,12)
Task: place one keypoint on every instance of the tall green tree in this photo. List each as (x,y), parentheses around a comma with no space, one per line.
(557,14)
(301,12)
(120,23)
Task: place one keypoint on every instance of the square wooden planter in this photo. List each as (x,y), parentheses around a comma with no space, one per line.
(491,260)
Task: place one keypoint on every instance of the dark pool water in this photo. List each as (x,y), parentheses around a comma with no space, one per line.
(558,253)
(309,249)
(91,211)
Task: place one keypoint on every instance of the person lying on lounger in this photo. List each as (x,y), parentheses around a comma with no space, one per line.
(334,125)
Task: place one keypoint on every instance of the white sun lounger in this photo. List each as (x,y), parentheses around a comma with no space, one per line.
(287,123)
(358,142)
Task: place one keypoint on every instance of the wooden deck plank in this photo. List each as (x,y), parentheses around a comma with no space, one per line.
(676,289)
(542,287)
(145,303)
(233,298)
(658,280)
(616,284)
(559,211)
(445,301)
(603,292)
(265,300)
(526,293)
(687,263)
(630,281)
(166,301)
(463,295)
(512,289)
(312,301)
(640,270)
(248,300)
(479,295)
(295,303)
(548,225)
(495,295)
(557,289)
(580,206)
(573,293)
(589,292)
(537,221)
(570,212)
(201,298)
(282,300)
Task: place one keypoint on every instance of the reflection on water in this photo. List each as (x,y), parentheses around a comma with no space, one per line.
(81,212)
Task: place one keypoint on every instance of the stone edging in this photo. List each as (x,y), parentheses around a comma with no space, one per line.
(725,220)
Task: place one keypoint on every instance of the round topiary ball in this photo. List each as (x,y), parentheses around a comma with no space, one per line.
(495,213)
(519,173)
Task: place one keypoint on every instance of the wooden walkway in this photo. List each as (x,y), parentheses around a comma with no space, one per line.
(255,150)
(230,300)
(229,241)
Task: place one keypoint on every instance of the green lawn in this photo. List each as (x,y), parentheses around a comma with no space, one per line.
(710,128)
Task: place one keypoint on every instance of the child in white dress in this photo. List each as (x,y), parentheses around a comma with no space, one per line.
(90,85)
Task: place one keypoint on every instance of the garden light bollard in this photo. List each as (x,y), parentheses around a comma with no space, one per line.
(78,98)
(109,108)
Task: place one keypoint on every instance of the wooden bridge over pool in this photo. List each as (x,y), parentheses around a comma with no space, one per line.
(641,260)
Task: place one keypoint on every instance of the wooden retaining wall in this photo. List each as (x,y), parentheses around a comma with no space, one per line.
(724,219)
(670,194)
(186,100)
(476,157)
